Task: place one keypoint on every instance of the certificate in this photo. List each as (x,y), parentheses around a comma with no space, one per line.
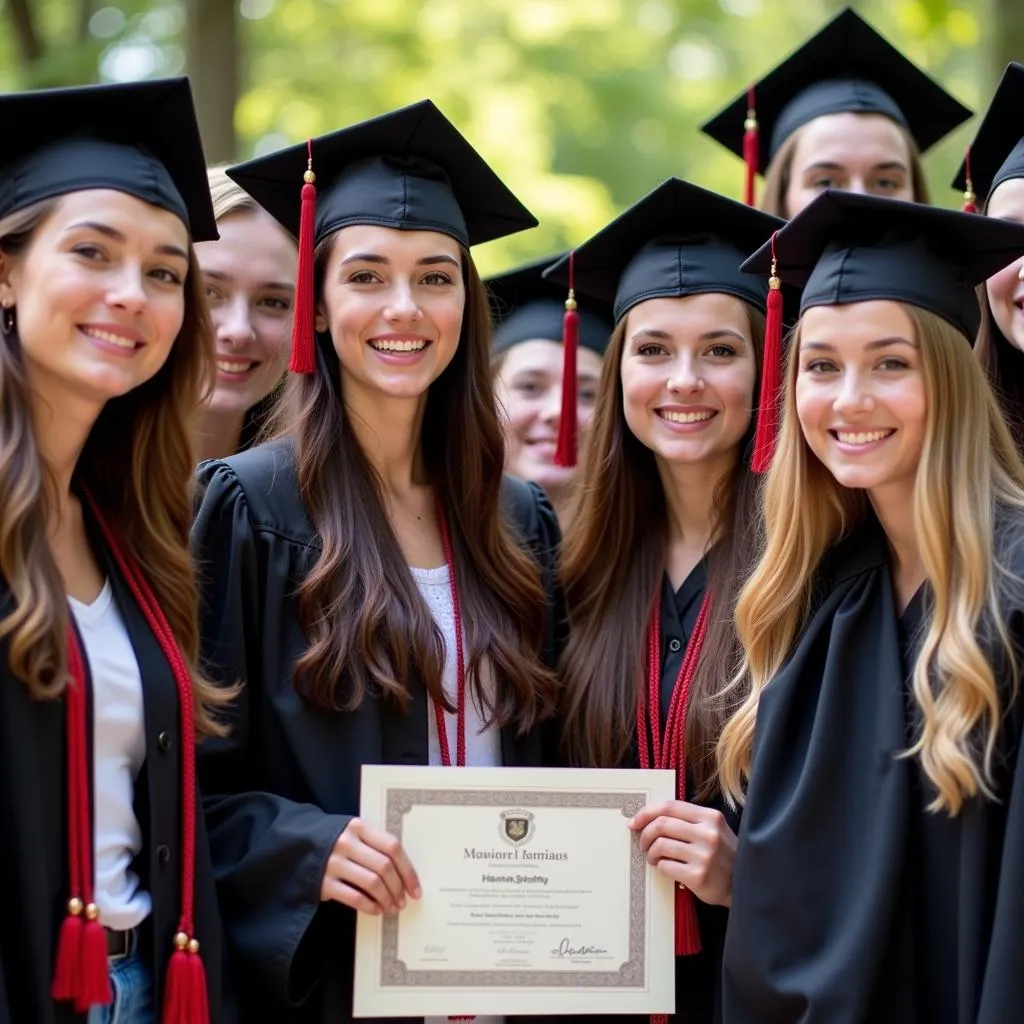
(536,898)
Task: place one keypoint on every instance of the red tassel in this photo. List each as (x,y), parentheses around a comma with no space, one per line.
(67,974)
(80,970)
(969,196)
(303,359)
(177,985)
(566,448)
(771,377)
(198,998)
(94,981)
(186,1000)
(687,927)
(750,149)
(186,994)
(659,1018)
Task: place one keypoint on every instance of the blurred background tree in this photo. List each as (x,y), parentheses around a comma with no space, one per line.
(582,105)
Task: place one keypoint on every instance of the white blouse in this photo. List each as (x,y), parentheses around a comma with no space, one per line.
(483,744)
(119,748)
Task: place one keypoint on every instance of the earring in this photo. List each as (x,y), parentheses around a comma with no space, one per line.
(8,319)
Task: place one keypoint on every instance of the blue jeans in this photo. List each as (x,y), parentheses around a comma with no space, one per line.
(132,982)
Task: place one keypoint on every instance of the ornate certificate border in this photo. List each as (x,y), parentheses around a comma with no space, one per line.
(395,973)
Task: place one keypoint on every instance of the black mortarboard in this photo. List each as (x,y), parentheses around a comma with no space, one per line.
(997,152)
(846,247)
(409,169)
(846,67)
(525,306)
(140,138)
(678,240)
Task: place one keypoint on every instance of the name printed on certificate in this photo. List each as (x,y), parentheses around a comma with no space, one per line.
(536,895)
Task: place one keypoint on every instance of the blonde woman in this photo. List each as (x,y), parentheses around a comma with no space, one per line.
(249,278)
(880,868)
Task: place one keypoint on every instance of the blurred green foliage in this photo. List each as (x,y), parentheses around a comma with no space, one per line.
(582,105)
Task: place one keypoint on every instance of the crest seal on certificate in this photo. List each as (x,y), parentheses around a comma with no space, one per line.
(516,827)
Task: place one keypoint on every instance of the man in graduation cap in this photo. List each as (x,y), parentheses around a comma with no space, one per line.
(845,110)
(992,180)
(529,353)
(879,876)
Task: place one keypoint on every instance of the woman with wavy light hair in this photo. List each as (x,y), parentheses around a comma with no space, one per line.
(879,874)
(109,908)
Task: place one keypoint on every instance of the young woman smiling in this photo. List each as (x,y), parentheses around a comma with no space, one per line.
(249,275)
(105,353)
(384,596)
(878,875)
(846,110)
(662,533)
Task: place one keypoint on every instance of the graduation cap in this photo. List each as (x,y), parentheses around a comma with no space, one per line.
(997,152)
(409,169)
(845,247)
(525,306)
(140,138)
(847,67)
(678,240)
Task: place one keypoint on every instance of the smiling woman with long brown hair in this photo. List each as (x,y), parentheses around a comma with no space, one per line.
(664,529)
(382,593)
(105,353)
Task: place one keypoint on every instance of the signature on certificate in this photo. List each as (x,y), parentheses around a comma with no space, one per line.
(566,948)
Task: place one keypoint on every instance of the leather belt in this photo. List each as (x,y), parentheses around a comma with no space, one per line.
(119,944)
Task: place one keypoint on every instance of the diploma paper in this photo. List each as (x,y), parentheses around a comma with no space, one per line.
(536,896)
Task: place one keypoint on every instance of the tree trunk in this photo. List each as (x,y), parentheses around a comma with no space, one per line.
(1006,36)
(85,12)
(212,47)
(30,47)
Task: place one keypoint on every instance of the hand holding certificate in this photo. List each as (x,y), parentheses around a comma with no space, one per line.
(536,896)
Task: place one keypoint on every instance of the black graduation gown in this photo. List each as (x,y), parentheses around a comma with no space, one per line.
(698,977)
(34,845)
(851,903)
(286,783)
